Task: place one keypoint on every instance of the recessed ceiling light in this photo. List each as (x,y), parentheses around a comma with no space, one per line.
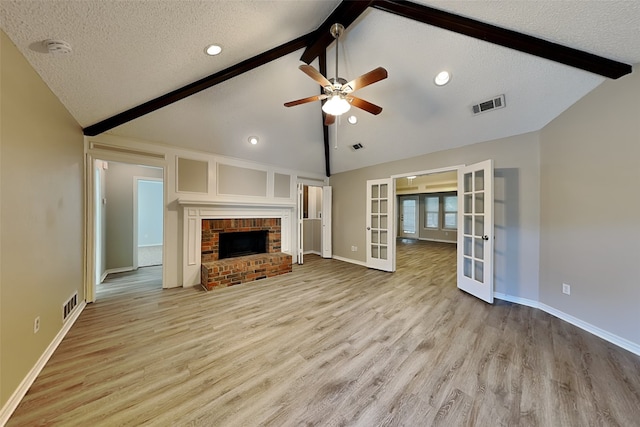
(442,78)
(353,120)
(213,50)
(253,140)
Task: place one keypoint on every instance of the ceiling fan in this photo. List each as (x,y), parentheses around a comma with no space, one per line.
(338,91)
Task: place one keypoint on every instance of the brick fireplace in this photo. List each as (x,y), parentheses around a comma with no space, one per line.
(216,272)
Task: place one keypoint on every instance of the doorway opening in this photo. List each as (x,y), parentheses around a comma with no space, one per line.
(314,221)
(428,207)
(128,220)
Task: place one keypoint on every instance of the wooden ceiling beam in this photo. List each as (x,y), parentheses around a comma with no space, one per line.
(507,38)
(346,13)
(322,62)
(198,86)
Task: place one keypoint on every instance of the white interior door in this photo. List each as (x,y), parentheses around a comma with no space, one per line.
(475,233)
(300,233)
(380,224)
(326,222)
(408,217)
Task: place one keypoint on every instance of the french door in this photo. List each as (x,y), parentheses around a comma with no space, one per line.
(380,224)
(475,232)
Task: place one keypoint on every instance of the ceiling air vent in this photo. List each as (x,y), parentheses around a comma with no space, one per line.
(357,146)
(492,104)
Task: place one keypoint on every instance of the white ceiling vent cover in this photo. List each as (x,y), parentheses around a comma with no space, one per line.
(492,104)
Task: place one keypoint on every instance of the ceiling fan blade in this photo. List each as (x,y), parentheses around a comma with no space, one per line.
(367,79)
(315,75)
(329,120)
(364,105)
(305,100)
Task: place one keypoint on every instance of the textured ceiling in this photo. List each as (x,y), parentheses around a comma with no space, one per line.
(128,52)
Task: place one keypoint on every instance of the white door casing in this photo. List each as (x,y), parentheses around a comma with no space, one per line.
(380,224)
(475,230)
(326,222)
(300,233)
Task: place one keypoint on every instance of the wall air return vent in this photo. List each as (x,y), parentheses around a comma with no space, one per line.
(490,105)
(357,146)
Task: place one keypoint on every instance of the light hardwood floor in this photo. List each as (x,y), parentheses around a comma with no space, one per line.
(330,344)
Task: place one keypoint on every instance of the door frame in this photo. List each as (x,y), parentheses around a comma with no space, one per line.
(90,250)
(416,173)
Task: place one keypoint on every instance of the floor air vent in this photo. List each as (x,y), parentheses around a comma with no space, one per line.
(357,146)
(69,305)
(492,104)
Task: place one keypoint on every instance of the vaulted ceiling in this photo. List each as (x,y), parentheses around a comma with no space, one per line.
(127,53)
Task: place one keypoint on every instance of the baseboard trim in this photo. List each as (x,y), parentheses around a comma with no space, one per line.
(27,382)
(312,253)
(424,239)
(601,333)
(349,260)
(118,270)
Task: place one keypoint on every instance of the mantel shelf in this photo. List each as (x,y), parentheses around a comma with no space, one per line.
(231,203)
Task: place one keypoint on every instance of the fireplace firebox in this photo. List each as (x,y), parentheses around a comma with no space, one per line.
(241,243)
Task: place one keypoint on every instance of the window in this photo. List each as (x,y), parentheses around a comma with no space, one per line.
(451,212)
(432,211)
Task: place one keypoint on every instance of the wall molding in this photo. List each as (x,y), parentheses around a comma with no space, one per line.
(601,333)
(19,393)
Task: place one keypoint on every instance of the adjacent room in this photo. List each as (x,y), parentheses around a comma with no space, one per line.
(319,212)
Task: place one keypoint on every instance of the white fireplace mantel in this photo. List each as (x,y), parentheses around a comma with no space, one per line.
(194,211)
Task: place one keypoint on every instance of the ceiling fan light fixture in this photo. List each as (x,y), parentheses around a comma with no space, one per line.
(213,50)
(442,78)
(336,105)
(353,120)
(253,140)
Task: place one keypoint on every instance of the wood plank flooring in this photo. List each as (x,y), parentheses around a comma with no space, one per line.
(331,344)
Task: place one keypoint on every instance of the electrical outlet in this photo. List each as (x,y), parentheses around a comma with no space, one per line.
(354,248)
(566,289)
(36,325)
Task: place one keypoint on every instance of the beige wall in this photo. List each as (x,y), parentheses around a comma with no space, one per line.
(516,207)
(119,212)
(590,215)
(42,214)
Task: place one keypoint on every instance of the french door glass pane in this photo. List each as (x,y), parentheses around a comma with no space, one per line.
(383,252)
(479,226)
(479,248)
(468,203)
(383,191)
(479,181)
(479,202)
(479,271)
(467,182)
(467,246)
(467,267)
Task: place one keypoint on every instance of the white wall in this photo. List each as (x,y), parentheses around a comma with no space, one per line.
(122,150)
(41,176)
(516,207)
(590,225)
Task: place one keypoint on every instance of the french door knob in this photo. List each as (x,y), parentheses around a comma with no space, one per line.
(368,228)
(485,237)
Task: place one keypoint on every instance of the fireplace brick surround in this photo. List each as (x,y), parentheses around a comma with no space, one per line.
(216,273)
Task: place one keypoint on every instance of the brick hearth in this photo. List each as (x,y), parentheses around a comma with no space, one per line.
(232,271)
